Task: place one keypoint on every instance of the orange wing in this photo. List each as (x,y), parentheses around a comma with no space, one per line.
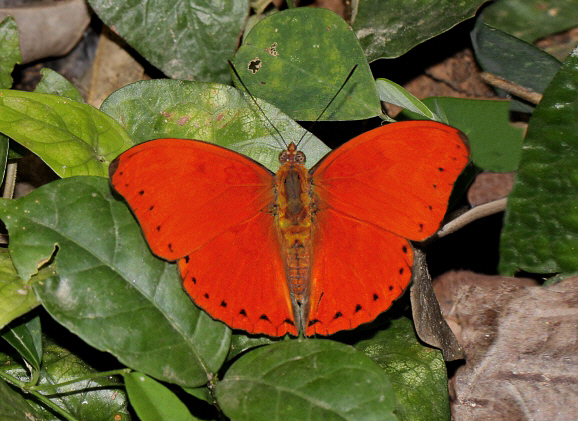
(371,195)
(398,177)
(211,208)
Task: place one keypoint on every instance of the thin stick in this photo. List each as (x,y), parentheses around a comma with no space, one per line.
(473,214)
(10,180)
(511,87)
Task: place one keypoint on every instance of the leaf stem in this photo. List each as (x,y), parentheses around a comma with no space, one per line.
(45,401)
(93,376)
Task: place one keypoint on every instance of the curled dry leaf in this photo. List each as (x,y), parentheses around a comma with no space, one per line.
(521,344)
(41,29)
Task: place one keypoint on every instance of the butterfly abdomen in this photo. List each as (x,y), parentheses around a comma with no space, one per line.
(294,230)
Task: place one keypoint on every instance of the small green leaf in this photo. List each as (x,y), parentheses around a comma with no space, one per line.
(72,138)
(93,399)
(13,407)
(513,60)
(306,379)
(495,144)
(16,295)
(26,338)
(185,39)
(541,223)
(299,58)
(241,343)
(56,84)
(531,20)
(108,288)
(418,373)
(390,29)
(154,402)
(9,51)
(210,112)
(393,93)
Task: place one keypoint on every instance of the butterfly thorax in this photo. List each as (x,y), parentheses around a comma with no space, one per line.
(294,226)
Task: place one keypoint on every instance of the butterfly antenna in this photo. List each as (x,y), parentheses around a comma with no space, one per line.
(284,145)
(330,102)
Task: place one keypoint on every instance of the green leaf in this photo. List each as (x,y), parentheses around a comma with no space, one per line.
(541,223)
(210,112)
(93,399)
(241,343)
(390,29)
(16,295)
(154,402)
(26,338)
(418,373)
(495,144)
(306,379)
(13,407)
(299,58)
(513,60)
(72,138)
(185,39)
(9,51)
(108,288)
(531,20)
(56,84)
(393,93)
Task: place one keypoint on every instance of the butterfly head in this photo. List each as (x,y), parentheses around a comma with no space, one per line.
(292,155)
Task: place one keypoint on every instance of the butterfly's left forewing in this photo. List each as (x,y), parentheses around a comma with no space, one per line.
(212,209)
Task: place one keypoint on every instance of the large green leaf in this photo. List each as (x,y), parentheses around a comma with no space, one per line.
(541,224)
(185,39)
(388,29)
(514,60)
(418,373)
(211,112)
(154,402)
(9,51)
(531,19)
(299,58)
(108,288)
(16,295)
(72,138)
(97,399)
(306,380)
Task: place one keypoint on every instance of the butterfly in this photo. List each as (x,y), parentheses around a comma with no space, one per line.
(313,251)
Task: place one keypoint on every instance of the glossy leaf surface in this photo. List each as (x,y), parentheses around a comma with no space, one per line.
(390,29)
(108,288)
(298,59)
(541,224)
(417,372)
(185,39)
(210,112)
(312,379)
(71,137)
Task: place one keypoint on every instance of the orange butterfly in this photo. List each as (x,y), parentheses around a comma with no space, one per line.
(316,251)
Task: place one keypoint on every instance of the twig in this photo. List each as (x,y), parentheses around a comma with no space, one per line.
(511,87)
(473,214)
